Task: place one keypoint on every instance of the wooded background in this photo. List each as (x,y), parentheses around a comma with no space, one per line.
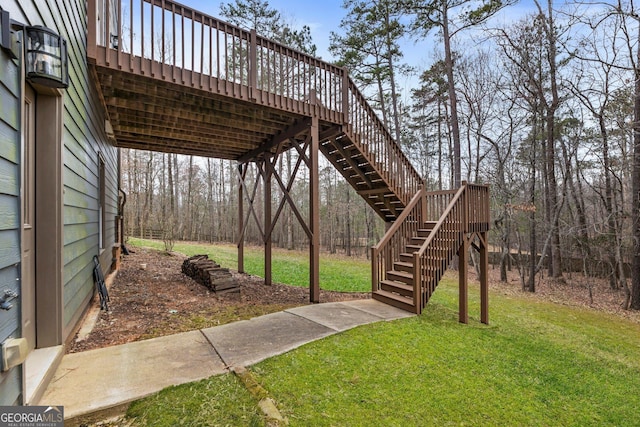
(545,109)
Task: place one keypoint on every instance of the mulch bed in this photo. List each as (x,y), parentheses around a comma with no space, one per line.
(151,297)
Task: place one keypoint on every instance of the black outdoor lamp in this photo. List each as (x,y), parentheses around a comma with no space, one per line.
(46,53)
(5,32)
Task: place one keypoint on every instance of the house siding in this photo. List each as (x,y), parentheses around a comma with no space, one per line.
(84,140)
(11,381)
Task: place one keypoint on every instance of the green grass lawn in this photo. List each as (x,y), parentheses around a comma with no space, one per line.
(290,267)
(537,364)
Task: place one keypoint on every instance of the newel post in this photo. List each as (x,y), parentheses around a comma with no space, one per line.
(463,259)
(417,283)
(465,209)
(375,280)
(423,203)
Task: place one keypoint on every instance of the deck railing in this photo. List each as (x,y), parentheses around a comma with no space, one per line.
(172,42)
(465,211)
(478,209)
(364,127)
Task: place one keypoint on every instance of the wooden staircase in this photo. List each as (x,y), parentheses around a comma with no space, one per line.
(354,165)
(411,258)
(397,289)
(367,156)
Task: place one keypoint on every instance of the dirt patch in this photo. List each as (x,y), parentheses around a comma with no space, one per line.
(150,297)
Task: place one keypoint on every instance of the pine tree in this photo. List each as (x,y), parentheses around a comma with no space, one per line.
(370,50)
(268,22)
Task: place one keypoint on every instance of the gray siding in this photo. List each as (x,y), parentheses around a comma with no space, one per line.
(10,382)
(84,139)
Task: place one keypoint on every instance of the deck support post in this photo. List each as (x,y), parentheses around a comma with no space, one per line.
(242,168)
(463,300)
(314,212)
(268,226)
(304,138)
(244,192)
(484,280)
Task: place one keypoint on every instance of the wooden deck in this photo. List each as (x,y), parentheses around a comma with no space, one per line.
(191,114)
(176,80)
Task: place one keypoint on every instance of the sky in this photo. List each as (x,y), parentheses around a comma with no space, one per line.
(324,16)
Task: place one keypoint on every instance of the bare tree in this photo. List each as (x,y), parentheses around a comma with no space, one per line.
(449,18)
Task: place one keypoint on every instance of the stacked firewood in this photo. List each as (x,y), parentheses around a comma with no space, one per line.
(209,273)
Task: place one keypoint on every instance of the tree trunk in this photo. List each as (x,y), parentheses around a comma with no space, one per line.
(555,266)
(575,187)
(392,75)
(453,99)
(611,235)
(439,143)
(533,242)
(635,185)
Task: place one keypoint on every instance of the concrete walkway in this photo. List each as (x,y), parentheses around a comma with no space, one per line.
(97,381)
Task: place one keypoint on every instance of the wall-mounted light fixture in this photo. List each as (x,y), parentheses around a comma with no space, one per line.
(46,54)
(5,33)
(13,352)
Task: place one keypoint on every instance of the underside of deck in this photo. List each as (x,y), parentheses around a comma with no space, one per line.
(149,113)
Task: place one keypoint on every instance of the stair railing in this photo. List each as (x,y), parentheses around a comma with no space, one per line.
(396,238)
(367,131)
(437,251)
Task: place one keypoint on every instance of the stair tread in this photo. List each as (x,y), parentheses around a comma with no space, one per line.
(400,273)
(399,298)
(399,285)
(403,263)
